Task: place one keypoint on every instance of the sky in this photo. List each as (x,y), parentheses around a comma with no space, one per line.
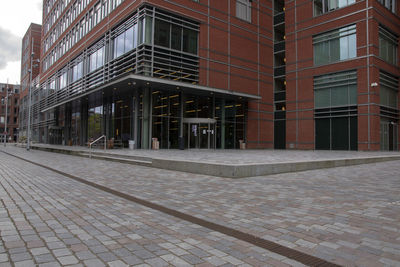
(15,18)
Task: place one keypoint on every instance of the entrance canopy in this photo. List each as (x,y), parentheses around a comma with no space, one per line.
(134,80)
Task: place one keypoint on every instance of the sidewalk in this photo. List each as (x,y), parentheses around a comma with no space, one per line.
(230,163)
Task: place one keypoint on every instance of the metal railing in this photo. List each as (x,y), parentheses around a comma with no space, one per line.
(98,139)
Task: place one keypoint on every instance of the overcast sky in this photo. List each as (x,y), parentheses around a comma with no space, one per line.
(15,18)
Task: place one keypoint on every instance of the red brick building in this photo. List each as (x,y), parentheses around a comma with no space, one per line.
(357,45)
(209,74)
(30,45)
(9,94)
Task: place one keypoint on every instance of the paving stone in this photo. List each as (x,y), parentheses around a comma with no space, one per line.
(85,255)
(27,263)
(50,264)
(93,263)
(68,260)
(20,256)
(192,259)
(132,260)
(107,256)
(39,251)
(156,262)
(144,254)
(117,263)
(3,257)
(44,258)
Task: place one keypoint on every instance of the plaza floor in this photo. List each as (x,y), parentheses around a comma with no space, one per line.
(348,216)
(230,163)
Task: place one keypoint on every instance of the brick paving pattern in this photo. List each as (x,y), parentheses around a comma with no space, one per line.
(348,215)
(50,220)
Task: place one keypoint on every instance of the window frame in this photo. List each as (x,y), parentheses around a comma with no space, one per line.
(244,6)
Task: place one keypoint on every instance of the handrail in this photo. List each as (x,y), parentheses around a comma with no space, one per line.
(98,139)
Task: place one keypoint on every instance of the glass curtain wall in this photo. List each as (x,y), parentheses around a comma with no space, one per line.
(122,120)
(76,124)
(335,111)
(389,112)
(336,45)
(95,116)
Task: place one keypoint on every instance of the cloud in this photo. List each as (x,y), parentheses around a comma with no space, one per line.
(39,5)
(10,47)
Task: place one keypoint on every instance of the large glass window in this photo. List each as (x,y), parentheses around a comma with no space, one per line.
(95,117)
(388,44)
(323,6)
(145,30)
(338,89)
(243,9)
(96,60)
(77,71)
(336,45)
(189,41)
(125,42)
(335,98)
(176,37)
(162,33)
(389,88)
(389,4)
(63,80)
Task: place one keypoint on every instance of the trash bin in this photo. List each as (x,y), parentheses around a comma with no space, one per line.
(155,144)
(242,144)
(131,144)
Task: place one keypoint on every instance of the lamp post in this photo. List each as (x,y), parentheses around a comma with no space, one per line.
(5,118)
(28,133)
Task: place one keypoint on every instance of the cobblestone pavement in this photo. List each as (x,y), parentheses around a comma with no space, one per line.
(47,219)
(348,215)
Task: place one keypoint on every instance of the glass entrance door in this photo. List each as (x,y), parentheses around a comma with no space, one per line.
(389,133)
(199,135)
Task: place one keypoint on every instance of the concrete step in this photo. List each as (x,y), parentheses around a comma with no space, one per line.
(125,160)
(115,155)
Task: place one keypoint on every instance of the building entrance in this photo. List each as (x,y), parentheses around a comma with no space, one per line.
(389,133)
(199,133)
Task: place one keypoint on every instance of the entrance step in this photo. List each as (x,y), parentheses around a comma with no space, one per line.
(118,158)
(121,156)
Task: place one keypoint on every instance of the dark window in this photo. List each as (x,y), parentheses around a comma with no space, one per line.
(162,33)
(176,37)
(189,41)
(389,87)
(388,46)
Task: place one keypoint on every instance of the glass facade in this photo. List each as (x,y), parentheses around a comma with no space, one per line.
(323,6)
(389,112)
(388,45)
(336,45)
(389,4)
(144,115)
(335,113)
